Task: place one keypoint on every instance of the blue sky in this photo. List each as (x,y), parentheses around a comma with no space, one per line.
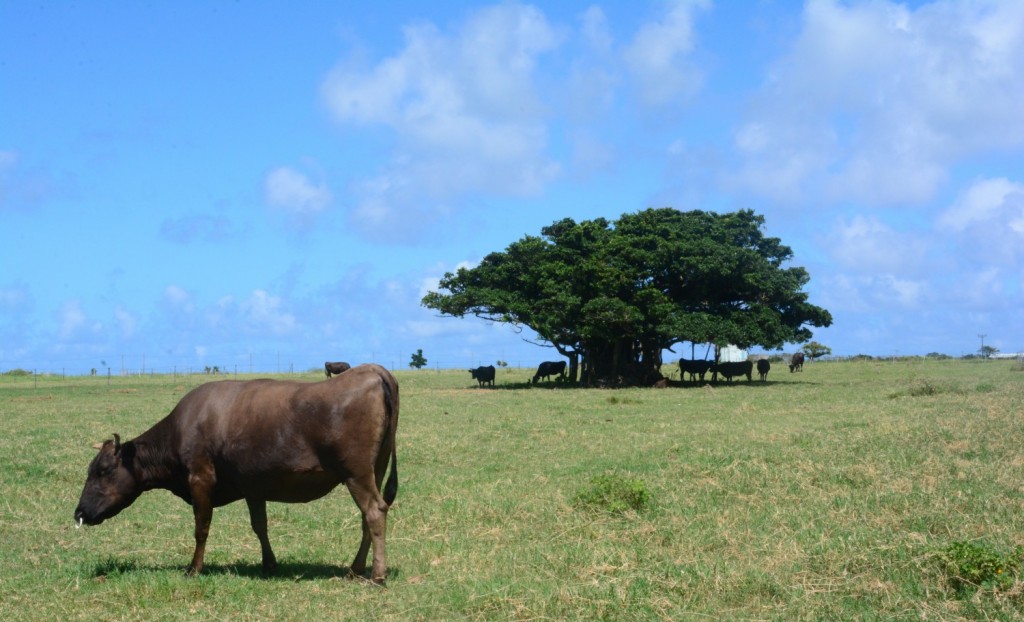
(266,186)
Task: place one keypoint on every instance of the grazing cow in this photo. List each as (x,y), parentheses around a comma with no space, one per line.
(335,368)
(695,368)
(483,375)
(262,440)
(549,368)
(731,369)
(797,362)
(762,369)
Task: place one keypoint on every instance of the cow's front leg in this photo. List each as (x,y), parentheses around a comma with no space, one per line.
(258,520)
(202,508)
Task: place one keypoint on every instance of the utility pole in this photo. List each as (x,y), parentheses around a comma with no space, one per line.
(982,350)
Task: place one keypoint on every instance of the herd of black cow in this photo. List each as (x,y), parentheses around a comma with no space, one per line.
(694,370)
(484,375)
(697,369)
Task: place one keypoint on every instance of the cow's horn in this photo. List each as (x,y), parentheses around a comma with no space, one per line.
(117,442)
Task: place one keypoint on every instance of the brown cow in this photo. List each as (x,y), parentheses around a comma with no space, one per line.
(262,440)
(335,368)
(796,363)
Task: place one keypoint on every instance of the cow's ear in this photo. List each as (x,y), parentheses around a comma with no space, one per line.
(98,446)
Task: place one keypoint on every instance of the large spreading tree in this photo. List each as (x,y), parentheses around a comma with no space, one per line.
(611,296)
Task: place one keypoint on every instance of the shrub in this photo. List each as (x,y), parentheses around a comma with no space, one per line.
(974,565)
(614,493)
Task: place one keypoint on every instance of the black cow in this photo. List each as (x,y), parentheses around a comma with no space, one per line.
(797,362)
(483,375)
(731,369)
(549,368)
(763,365)
(262,440)
(695,368)
(335,368)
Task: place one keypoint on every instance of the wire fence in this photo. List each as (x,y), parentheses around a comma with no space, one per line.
(246,366)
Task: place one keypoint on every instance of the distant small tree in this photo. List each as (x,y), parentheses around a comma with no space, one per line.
(418,360)
(815,350)
(502,364)
(988,351)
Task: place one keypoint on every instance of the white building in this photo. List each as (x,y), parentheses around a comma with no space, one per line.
(731,354)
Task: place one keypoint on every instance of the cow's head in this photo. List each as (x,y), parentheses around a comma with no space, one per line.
(110,485)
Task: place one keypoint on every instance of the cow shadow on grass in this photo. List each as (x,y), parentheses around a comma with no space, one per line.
(286,571)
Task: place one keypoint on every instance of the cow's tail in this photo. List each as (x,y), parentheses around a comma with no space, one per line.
(390,387)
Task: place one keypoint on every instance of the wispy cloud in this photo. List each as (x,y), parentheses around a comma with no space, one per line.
(875,101)
(196,228)
(464,109)
(295,195)
(658,57)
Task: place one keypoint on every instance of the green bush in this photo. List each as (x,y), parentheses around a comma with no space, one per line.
(924,387)
(614,493)
(974,565)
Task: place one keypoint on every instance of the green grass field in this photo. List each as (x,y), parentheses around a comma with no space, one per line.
(832,494)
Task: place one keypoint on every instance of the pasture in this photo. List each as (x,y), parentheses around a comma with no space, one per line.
(836,493)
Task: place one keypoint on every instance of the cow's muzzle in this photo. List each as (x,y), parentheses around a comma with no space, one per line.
(82,519)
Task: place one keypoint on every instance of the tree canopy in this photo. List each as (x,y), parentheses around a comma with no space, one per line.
(610,296)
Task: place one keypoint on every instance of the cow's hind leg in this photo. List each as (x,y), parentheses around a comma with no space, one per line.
(258,520)
(367,496)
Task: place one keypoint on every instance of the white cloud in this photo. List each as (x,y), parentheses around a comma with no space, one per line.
(874,102)
(881,293)
(126,322)
(7,160)
(997,203)
(72,321)
(982,290)
(293,192)
(658,56)
(594,72)
(464,108)
(987,220)
(262,311)
(867,245)
(22,186)
(15,297)
(594,28)
(179,299)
